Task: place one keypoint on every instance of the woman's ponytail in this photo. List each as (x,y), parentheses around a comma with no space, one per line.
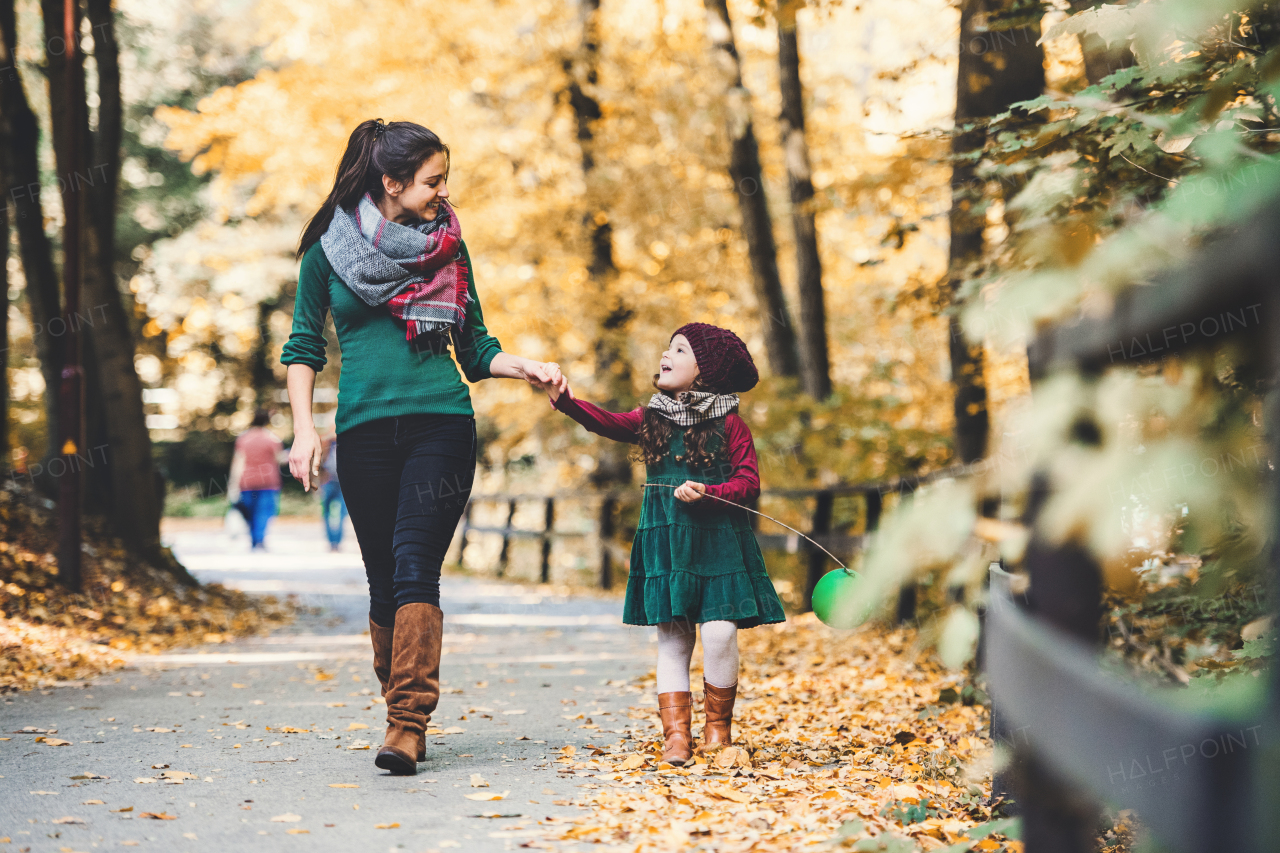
(349,184)
(374,149)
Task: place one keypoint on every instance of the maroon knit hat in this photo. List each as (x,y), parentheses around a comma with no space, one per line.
(724,364)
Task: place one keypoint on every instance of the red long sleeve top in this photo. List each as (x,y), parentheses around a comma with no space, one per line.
(743,485)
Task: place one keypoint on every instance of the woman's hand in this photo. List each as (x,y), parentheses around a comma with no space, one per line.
(558,384)
(690,491)
(304,458)
(544,376)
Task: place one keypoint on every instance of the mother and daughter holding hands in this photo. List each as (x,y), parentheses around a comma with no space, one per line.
(385,255)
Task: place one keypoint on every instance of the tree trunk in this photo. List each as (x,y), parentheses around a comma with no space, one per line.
(815,367)
(744,169)
(995,69)
(136,501)
(1099,59)
(23,193)
(613,369)
(4,286)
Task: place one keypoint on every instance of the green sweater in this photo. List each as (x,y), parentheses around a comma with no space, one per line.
(383,375)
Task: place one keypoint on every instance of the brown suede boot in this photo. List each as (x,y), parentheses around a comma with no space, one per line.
(413,688)
(718,704)
(382,640)
(676,710)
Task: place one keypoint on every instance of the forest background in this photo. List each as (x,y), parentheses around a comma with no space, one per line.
(839,182)
(234,115)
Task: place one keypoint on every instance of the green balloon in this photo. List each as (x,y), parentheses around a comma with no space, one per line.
(833,599)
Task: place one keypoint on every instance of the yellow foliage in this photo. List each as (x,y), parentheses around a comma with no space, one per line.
(490,78)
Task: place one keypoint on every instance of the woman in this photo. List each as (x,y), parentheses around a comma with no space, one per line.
(255,477)
(333,509)
(385,254)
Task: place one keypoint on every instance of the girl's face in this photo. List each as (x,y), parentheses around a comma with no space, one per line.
(419,199)
(678,367)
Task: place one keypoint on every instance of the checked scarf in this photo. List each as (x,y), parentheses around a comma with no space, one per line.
(693,407)
(417,271)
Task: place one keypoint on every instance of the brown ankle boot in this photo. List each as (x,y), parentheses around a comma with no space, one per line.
(413,688)
(676,710)
(718,705)
(382,641)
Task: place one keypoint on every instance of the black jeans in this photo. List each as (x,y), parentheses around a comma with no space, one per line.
(406,481)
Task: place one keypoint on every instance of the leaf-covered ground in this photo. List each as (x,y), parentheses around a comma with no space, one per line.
(858,738)
(49,634)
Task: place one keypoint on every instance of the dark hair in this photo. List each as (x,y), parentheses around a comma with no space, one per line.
(261,417)
(655,436)
(396,150)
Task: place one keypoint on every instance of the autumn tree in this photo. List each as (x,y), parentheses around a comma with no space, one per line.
(748,184)
(613,369)
(136,501)
(24,195)
(1000,63)
(815,366)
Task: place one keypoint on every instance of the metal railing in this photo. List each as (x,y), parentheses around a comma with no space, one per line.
(1200,778)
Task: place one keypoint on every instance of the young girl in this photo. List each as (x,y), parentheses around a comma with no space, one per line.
(695,559)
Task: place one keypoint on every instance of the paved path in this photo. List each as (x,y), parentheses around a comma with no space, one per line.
(518,664)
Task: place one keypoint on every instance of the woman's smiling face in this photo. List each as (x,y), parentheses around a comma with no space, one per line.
(420,199)
(678,367)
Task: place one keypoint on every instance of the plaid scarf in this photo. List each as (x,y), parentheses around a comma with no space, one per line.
(418,271)
(693,407)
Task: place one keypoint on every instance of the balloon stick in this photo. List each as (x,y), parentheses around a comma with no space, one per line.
(762,515)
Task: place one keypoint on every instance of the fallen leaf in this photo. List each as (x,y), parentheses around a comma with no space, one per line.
(290,730)
(52,741)
(67,819)
(178,775)
(46,793)
(386,826)
(487,797)
(355,727)
(453,730)
(727,757)
(122,810)
(477,781)
(190,835)
(145,780)
(296,831)
(158,816)
(93,802)
(239,686)
(632,762)
(729,793)
(514,712)
(286,818)
(343,785)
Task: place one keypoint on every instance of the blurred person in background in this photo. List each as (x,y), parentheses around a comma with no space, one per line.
(255,477)
(331,501)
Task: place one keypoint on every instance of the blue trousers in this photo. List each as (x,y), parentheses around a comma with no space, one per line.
(258,506)
(407,480)
(331,495)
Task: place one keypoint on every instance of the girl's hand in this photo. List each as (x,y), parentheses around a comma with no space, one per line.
(557,383)
(304,459)
(691,492)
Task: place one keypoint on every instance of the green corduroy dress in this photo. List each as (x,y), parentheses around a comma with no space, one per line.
(698,562)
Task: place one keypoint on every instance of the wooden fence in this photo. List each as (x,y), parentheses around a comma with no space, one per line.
(611,553)
(1201,778)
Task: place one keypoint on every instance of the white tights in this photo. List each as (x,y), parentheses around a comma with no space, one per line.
(675,651)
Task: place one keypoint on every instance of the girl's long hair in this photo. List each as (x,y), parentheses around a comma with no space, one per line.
(396,150)
(655,437)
